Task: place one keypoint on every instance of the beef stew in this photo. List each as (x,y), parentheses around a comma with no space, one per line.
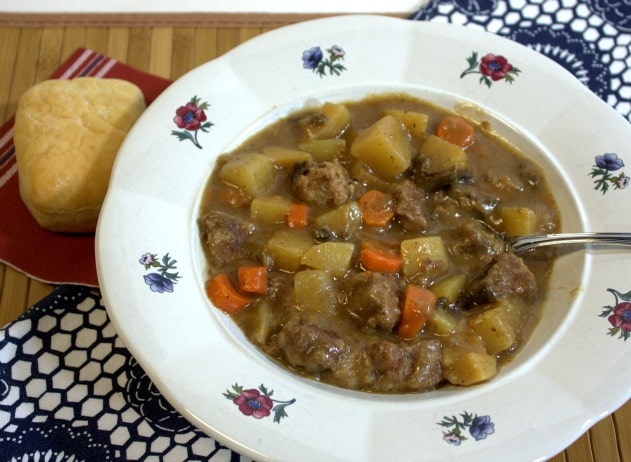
(361,244)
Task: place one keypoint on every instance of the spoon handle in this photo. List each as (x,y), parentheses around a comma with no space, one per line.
(529,242)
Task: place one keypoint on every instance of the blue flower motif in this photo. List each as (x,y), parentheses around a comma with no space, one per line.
(315,60)
(311,58)
(609,161)
(481,427)
(163,280)
(158,283)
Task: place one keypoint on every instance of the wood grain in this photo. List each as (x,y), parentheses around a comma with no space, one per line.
(29,55)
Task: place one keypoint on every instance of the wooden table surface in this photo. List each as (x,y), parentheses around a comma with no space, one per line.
(31,54)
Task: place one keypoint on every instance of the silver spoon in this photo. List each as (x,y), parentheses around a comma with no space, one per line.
(522,244)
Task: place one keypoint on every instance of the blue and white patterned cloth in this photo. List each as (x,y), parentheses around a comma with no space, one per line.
(591,39)
(69,389)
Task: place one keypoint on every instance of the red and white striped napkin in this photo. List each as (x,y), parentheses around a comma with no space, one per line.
(53,257)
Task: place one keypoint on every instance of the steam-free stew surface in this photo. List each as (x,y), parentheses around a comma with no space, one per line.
(362,245)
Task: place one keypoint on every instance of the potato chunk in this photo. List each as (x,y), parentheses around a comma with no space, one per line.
(327,149)
(342,221)
(518,221)
(471,368)
(252,173)
(450,288)
(495,328)
(441,162)
(269,209)
(331,122)
(385,146)
(424,257)
(334,257)
(286,249)
(264,314)
(286,157)
(415,122)
(442,322)
(314,290)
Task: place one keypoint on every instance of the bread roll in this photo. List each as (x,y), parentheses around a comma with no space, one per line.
(67,134)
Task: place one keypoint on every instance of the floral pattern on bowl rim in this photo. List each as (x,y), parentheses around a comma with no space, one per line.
(162,280)
(604,164)
(314,59)
(479,427)
(258,402)
(491,68)
(191,119)
(619,315)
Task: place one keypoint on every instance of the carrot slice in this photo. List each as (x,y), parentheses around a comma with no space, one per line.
(384,261)
(417,307)
(298,215)
(456,130)
(252,279)
(377,208)
(224,295)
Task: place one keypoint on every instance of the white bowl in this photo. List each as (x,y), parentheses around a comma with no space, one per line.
(574,370)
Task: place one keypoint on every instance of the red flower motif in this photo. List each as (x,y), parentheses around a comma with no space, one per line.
(252,402)
(495,67)
(189,117)
(621,316)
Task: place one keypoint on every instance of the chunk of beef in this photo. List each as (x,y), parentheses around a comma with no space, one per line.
(508,276)
(474,201)
(325,349)
(224,236)
(373,299)
(322,183)
(308,345)
(410,206)
(477,244)
(407,366)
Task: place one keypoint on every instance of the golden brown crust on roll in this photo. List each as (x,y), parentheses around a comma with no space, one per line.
(67,134)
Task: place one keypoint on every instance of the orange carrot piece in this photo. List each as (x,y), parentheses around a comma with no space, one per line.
(383,261)
(224,295)
(252,279)
(377,208)
(417,307)
(298,215)
(456,130)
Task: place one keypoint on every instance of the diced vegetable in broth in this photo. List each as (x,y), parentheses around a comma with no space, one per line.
(518,221)
(424,257)
(327,149)
(415,122)
(385,147)
(286,157)
(269,209)
(333,257)
(314,291)
(361,244)
(253,173)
